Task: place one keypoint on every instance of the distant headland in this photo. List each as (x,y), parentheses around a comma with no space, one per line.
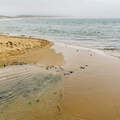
(29,16)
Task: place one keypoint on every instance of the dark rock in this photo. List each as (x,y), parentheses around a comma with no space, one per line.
(66,74)
(77,50)
(20,63)
(1,97)
(71,72)
(35,88)
(51,67)
(28,91)
(82,67)
(10,42)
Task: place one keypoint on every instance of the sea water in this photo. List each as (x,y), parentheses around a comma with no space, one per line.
(101,34)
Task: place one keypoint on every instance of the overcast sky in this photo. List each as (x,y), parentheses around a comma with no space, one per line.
(79,8)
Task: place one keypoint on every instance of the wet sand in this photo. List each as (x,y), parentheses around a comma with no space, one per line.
(92,91)
(30,92)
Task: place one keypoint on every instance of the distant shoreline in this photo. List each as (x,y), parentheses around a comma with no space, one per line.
(27,16)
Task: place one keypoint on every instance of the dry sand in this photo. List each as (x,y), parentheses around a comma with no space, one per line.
(28,50)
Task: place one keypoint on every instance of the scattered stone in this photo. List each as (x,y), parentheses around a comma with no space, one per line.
(82,67)
(90,54)
(9,42)
(66,74)
(51,67)
(1,97)
(86,65)
(28,91)
(60,67)
(20,63)
(77,50)
(35,88)
(71,72)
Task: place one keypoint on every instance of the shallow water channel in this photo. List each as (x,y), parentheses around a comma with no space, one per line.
(29,92)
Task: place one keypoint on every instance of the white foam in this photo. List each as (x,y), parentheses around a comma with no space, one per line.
(79,47)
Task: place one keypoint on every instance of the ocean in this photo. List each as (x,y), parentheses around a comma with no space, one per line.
(103,34)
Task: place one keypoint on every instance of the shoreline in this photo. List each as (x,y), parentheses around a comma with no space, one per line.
(18,50)
(101,51)
(90,87)
(89,90)
(111,52)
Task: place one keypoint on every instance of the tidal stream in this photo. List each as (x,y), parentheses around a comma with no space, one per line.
(29,92)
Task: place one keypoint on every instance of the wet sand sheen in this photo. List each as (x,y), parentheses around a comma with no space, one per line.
(29,92)
(92,91)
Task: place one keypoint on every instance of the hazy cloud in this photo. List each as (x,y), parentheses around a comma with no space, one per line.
(80,8)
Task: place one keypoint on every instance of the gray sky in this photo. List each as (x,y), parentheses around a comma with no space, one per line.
(78,8)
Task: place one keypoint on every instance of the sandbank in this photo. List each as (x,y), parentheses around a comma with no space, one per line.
(28,50)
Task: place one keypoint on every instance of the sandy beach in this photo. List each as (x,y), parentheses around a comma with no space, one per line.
(27,50)
(89,88)
(92,91)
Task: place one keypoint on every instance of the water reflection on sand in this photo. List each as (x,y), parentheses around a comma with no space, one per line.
(29,92)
